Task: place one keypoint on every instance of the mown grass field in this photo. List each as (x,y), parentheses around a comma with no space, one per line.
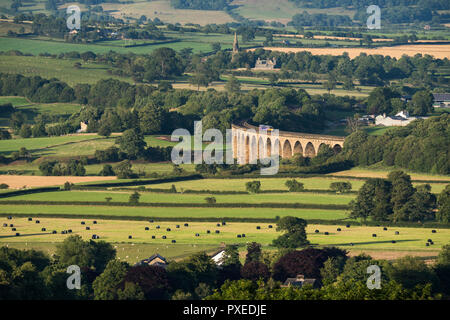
(62,69)
(160,212)
(117,232)
(318,183)
(188,198)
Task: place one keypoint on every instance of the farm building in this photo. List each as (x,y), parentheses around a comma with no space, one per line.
(218,256)
(299,281)
(154,260)
(441,100)
(401,119)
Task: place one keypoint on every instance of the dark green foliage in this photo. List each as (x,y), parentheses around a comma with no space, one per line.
(107,171)
(294,233)
(253,186)
(200,4)
(341,187)
(295,186)
(56,168)
(443,214)
(134,198)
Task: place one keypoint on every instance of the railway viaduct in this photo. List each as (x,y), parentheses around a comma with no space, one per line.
(251,144)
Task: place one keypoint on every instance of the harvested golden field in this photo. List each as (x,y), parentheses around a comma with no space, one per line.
(438,51)
(393,255)
(317,37)
(163,11)
(17,181)
(362,173)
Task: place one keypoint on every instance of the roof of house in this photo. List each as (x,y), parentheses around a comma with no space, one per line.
(150,259)
(441,96)
(299,281)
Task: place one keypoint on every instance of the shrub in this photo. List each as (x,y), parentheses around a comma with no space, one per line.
(253,186)
(341,187)
(210,200)
(294,186)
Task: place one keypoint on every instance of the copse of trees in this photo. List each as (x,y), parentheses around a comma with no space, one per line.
(200,4)
(394,199)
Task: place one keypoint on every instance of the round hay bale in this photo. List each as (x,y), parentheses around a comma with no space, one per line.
(258,228)
(17,234)
(393,241)
(270,226)
(54,232)
(30,219)
(197,235)
(339,229)
(239,236)
(217,231)
(157,227)
(147,228)
(174,241)
(397,233)
(316,231)
(326,233)
(208,231)
(347,226)
(218,224)
(374,235)
(5,224)
(88,228)
(82,222)
(224,223)
(37,221)
(168,229)
(63,232)
(130,237)
(151,221)
(164,237)
(153,237)
(94,222)
(177,226)
(427,244)
(69,231)
(433,231)
(352,244)
(429,240)
(243,235)
(11,225)
(98,237)
(186,224)
(43,229)
(385,229)
(94,236)
(9,217)
(13,229)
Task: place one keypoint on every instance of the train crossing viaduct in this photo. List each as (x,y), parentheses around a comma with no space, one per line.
(251,144)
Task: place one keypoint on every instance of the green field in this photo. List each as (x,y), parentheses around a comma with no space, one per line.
(117,232)
(189,198)
(156,212)
(62,69)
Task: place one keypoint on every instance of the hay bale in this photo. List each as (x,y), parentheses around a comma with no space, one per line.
(397,233)
(339,229)
(326,233)
(30,219)
(37,221)
(164,237)
(168,229)
(43,229)
(352,244)
(5,224)
(174,241)
(433,231)
(316,231)
(17,234)
(94,222)
(177,226)
(270,226)
(197,235)
(82,222)
(208,231)
(153,237)
(11,225)
(54,232)
(224,223)
(258,228)
(9,217)
(69,231)
(94,236)
(151,221)
(243,235)
(217,231)
(374,235)
(147,228)
(427,244)
(393,241)
(347,226)
(429,240)
(218,225)
(157,227)
(239,236)
(384,229)
(63,232)
(88,228)
(130,237)
(13,229)
(186,224)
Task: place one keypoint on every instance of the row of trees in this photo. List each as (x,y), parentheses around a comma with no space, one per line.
(30,274)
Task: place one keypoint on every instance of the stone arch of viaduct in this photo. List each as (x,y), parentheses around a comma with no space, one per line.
(249,144)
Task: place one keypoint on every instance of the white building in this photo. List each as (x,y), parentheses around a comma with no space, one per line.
(401,119)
